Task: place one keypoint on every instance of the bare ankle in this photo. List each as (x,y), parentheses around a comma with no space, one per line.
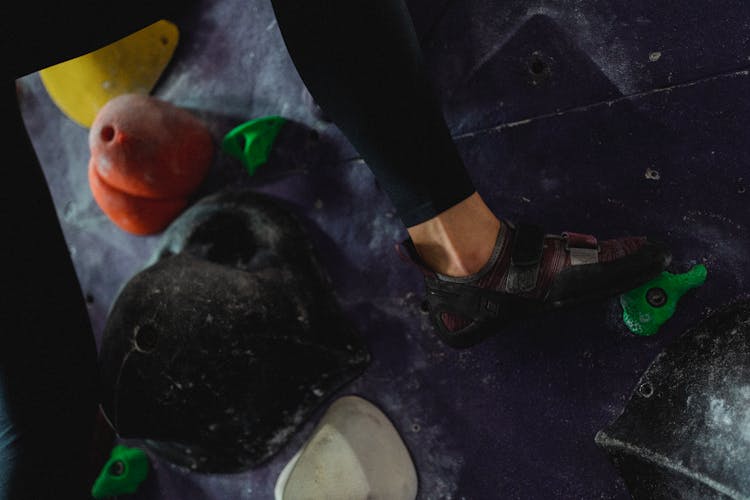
(459,241)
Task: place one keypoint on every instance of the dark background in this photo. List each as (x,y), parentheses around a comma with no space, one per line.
(559,109)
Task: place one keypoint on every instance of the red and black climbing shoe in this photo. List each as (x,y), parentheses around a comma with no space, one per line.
(530,272)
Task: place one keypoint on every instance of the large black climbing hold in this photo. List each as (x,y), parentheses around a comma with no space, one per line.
(217,352)
(685,433)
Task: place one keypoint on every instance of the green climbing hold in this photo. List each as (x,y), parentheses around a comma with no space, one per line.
(648,307)
(125,470)
(252,141)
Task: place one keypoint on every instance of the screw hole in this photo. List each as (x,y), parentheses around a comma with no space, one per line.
(652,174)
(646,389)
(107,133)
(425,306)
(117,468)
(145,338)
(164,40)
(656,297)
(537,67)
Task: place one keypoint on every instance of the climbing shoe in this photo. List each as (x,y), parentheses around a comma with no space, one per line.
(530,272)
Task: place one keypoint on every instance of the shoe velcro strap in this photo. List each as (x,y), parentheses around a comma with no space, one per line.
(579,240)
(583,248)
(526,256)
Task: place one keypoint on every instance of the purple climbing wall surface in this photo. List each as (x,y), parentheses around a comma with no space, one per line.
(559,109)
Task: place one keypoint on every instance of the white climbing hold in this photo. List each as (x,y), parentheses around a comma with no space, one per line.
(355,453)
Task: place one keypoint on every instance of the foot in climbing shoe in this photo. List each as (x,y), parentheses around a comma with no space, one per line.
(530,272)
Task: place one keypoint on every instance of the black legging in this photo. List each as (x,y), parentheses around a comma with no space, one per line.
(361,62)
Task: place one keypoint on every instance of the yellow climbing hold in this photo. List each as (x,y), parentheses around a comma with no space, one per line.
(80,87)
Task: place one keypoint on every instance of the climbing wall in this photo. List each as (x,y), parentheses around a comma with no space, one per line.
(606,117)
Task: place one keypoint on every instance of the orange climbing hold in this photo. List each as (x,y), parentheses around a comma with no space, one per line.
(147,157)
